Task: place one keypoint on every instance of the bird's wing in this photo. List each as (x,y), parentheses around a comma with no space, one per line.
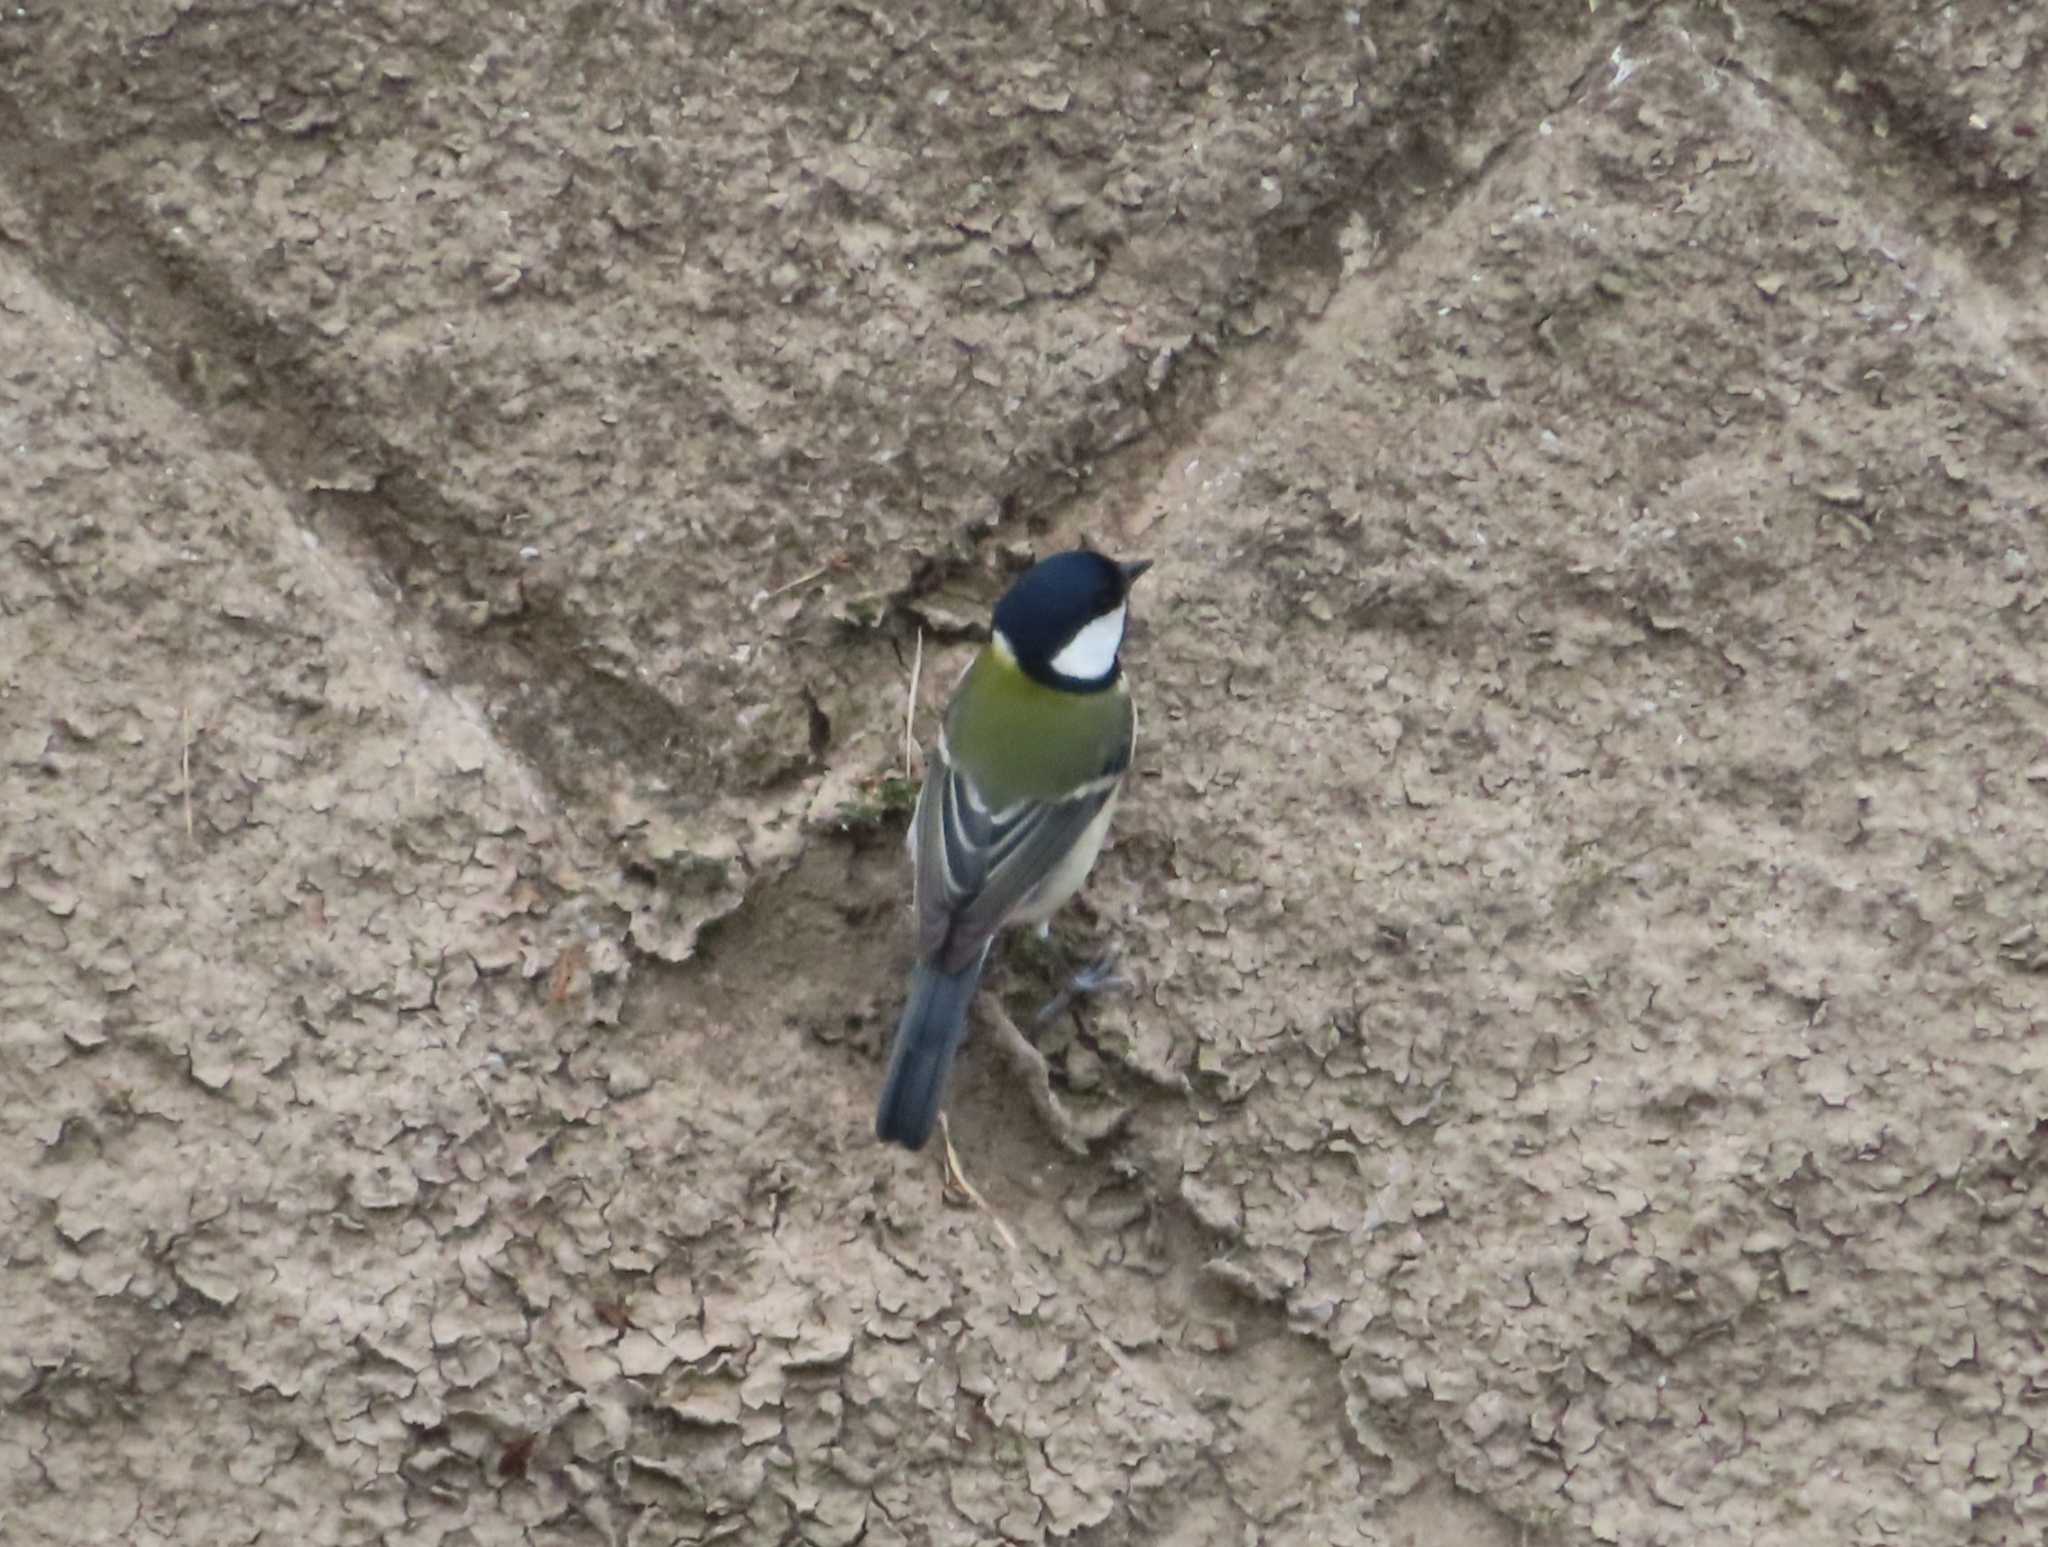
(975,865)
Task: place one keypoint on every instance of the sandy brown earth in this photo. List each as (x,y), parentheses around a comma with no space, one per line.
(474,483)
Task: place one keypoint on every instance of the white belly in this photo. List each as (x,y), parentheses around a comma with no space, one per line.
(1052,894)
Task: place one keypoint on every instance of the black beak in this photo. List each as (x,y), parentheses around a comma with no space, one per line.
(1133,570)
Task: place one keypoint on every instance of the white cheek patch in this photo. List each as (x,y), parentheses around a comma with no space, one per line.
(1091,654)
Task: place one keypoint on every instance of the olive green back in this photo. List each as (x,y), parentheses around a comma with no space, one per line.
(1018,739)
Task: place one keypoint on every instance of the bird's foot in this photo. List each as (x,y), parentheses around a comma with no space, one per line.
(1098,977)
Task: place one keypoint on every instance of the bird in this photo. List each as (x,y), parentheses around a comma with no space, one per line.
(1016,801)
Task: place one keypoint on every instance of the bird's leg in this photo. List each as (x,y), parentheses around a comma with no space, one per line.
(1098,977)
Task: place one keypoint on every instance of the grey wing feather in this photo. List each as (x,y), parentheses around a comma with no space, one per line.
(974,866)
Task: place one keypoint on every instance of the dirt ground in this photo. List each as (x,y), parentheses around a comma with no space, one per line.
(475,480)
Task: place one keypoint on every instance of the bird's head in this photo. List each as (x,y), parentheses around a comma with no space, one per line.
(1063,620)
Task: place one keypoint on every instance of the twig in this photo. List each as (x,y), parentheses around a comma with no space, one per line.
(1029,1062)
(956,1179)
(185,762)
(910,708)
(801,580)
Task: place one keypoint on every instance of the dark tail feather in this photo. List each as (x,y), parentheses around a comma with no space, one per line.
(933,1026)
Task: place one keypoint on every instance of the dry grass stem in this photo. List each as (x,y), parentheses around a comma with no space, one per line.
(910,709)
(957,1185)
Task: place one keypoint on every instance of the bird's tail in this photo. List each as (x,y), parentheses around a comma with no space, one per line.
(933,1026)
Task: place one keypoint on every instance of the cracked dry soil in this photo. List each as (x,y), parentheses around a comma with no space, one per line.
(474,480)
